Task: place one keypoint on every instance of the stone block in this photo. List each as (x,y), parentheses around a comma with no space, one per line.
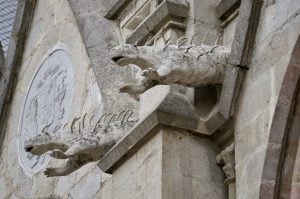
(167,10)
(249,106)
(171,164)
(248,174)
(3,188)
(88,186)
(251,137)
(229,33)
(106,190)
(64,184)
(226,7)
(244,37)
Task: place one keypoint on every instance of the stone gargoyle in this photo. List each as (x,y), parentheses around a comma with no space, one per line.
(187,65)
(82,145)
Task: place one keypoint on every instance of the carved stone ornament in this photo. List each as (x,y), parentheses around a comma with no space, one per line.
(187,65)
(84,144)
(226,158)
(47,104)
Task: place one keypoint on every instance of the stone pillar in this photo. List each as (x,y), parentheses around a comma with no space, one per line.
(163,163)
(226,158)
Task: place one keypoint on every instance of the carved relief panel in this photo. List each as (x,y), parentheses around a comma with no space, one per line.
(47,104)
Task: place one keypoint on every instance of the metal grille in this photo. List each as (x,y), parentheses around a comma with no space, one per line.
(8,10)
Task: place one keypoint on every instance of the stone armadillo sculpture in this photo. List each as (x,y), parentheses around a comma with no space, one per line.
(192,65)
(83,145)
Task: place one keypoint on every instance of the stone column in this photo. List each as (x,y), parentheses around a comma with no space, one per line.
(226,158)
(163,162)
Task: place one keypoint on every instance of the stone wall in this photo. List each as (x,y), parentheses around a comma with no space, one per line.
(171,164)
(53,26)
(54,23)
(278,31)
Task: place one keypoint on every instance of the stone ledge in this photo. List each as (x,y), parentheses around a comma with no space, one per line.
(164,13)
(225,8)
(141,133)
(116,9)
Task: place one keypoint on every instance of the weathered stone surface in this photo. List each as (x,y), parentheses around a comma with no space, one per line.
(88,186)
(99,36)
(64,184)
(165,11)
(45,33)
(3,188)
(166,167)
(202,23)
(14,58)
(225,7)
(244,35)
(106,191)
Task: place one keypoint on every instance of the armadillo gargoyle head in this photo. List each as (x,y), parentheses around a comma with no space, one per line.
(192,66)
(43,143)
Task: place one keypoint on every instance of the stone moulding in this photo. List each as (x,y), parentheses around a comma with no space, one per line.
(164,115)
(275,182)
(139,135)
(167,11)
(225,8)
(116,9)
(23,19)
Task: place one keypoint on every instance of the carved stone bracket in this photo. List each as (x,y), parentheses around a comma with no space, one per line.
(226,158)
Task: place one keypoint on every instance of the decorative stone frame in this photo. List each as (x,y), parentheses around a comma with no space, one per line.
(281,154)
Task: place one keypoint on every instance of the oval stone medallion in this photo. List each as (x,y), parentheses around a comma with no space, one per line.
(47,104)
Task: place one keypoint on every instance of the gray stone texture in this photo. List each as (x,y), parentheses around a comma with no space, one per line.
(100,36)
(167,11)
(283,141)
(225,7)
(13,59)
(172,164)
(53,22)
(278,30)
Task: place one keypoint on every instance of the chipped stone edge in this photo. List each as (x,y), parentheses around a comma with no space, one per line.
(13,61)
